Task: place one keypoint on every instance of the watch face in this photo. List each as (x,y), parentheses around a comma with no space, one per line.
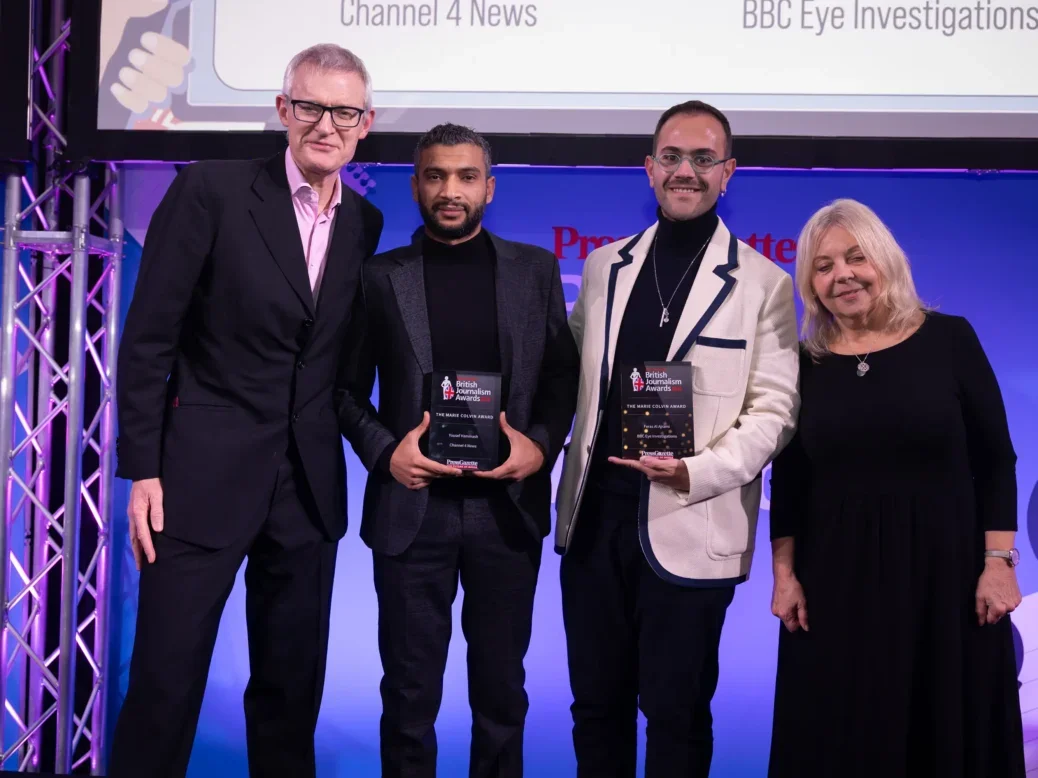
(1014,557)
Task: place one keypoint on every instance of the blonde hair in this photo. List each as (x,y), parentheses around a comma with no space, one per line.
(897,299)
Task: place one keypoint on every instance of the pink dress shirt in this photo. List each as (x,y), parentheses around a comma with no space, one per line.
(315,229)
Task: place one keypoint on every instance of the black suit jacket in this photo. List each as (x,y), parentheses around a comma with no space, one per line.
(539,362)
(226,357)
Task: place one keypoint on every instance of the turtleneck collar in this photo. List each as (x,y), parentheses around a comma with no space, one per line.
(476,248)
(688,235)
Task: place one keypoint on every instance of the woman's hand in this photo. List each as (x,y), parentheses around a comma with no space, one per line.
(789,603)
(997,591)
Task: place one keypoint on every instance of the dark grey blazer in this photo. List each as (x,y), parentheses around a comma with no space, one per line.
(390,335)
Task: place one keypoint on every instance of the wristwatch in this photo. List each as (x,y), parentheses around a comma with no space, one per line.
(1012,556)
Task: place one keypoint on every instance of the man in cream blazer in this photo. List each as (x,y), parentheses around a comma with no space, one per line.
(654,548)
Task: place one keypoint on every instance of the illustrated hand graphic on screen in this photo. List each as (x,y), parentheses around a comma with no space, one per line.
(143,58)
(116,15)
(152,71)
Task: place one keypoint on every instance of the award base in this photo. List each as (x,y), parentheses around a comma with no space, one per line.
(656,410)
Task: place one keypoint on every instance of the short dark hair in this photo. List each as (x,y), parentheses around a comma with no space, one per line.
(451,135)
(694,108)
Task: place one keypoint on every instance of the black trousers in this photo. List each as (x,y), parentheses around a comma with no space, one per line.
(634,640)
(182,595)
(481,542)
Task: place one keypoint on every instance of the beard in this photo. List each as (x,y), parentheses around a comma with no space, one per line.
(473,217)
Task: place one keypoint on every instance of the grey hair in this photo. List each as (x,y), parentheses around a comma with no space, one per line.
(898,298)
(328,56)
(452,135)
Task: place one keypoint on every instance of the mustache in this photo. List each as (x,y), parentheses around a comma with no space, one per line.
(696,182)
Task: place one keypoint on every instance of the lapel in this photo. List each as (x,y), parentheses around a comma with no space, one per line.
(275,219)
(344,238)
(510,288)
(711,287)
(622,275)
(408,282)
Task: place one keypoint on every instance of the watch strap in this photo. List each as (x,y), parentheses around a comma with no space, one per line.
(1009,556)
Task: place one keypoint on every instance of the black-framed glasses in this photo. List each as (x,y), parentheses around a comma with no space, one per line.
(343,116)
(701,163)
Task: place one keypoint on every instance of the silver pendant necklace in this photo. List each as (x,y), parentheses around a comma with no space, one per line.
(863,366)
(665,316)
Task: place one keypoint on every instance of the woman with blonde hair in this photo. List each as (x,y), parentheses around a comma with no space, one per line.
(893,517)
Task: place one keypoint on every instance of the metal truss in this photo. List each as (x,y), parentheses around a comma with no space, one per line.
(43,395)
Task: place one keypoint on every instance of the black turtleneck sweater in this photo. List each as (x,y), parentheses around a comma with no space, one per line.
(642,339)
(459,290)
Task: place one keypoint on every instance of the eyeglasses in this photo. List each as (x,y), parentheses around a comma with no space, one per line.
(701,163)
(343,116)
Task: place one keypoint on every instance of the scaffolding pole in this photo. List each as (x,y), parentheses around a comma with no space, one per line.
(8,356)
(73,476)
(65,524)
(86,510)
(112,312)
(47,90)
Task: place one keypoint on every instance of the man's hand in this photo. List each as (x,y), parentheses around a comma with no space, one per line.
(145,512)
(412,468)
(669,472)
(525,459)
(997,591)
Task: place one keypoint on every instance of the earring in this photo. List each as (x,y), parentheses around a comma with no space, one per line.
(724,192)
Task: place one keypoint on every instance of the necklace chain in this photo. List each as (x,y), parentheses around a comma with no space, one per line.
(665,316)
(863,365)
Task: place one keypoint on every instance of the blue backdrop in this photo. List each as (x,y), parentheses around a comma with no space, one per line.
(971,242)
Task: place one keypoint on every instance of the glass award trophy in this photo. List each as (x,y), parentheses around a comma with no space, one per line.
(464,426)
(656,405)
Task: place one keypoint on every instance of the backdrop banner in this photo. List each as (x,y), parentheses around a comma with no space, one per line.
(971,241)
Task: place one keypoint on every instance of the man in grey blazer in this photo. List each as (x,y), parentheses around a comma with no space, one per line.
(457,298)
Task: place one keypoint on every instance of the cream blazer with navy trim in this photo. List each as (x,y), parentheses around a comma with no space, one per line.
(738,329)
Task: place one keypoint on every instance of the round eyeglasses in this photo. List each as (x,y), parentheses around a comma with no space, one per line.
(701,163)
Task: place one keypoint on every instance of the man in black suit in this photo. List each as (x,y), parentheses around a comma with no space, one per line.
(457,298)
(227,373)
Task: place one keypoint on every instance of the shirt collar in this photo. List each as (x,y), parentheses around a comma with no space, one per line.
(297,183)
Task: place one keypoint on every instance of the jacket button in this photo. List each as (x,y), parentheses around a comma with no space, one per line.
(308,322)
(300,364)
(295,417)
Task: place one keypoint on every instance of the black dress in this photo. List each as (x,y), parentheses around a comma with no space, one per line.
(888,487)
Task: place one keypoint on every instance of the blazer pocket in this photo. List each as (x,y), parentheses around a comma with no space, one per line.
(717,369)
(732,521)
